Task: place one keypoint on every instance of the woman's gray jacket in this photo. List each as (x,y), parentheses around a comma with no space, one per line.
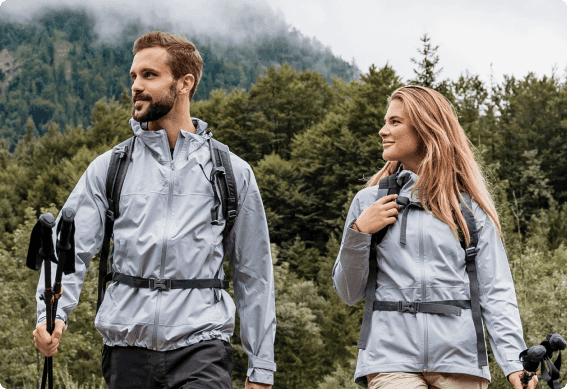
(164,231)
(430,267)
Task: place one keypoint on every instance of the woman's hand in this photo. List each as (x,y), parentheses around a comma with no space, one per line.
(515,377)
(380,214)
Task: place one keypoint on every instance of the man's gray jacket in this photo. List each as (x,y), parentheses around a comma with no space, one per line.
(164,231)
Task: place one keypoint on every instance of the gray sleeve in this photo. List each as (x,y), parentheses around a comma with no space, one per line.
(254,282)
(498,298)
(350,272)
(88,199)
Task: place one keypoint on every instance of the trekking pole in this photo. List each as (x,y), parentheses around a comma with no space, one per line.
(531,360)
(46,255)
(535,356)
(64,249)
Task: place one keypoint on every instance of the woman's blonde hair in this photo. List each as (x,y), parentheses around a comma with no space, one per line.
(449,167)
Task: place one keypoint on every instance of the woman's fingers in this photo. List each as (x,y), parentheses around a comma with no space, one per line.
(390,220)
(387,199)
(377,216)
(392,212)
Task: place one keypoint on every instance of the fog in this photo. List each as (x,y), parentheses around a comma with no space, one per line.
(221,20)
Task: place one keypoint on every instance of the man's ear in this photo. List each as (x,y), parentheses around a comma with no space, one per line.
(186,83)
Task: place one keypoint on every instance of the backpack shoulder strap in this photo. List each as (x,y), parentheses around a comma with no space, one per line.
(470,263)
(117,168)
(223,179)
(387,185)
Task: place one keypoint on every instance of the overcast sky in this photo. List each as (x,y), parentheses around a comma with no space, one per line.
(516,36)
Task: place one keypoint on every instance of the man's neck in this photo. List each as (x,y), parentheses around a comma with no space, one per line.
(172,124)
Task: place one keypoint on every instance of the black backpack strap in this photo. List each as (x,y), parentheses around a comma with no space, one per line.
(224,189)
(386,186)
(119,161)
(470,261)
(222,178)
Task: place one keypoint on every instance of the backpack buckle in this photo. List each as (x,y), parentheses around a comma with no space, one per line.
(121,150)
(470,253)
(405,306)
(218,169)
(160,284)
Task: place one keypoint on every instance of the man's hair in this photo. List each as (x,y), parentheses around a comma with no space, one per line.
(184,58)
(449,166)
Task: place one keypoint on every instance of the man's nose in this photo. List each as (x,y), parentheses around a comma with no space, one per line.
(137,86)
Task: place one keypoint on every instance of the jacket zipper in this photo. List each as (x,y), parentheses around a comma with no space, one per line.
(423,292)
(165,237)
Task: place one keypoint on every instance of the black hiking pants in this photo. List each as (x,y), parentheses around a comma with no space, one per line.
(205,365)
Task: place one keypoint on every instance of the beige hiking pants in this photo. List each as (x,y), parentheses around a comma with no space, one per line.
(425,381)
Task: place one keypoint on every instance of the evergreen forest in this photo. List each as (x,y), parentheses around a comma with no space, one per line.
(311,135)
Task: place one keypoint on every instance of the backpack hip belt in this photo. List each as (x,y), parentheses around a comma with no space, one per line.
(167,284)
(446,307)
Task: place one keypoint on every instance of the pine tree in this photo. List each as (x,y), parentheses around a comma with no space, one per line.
(426,73)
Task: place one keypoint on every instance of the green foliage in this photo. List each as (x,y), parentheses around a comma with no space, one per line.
(61,70)
(426,73)
(22,363)
(341,377)
(311,144)
(80,344)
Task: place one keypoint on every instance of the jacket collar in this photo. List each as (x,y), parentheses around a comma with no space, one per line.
(157,142)
(407,178)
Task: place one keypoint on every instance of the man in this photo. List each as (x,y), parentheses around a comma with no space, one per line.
(173,338)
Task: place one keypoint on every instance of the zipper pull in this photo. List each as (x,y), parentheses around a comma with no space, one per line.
(172,165)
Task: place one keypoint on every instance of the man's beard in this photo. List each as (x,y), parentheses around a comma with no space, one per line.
(157,109)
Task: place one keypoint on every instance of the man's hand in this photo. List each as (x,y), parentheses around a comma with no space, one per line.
(514,379)
(46,343)
(255,385)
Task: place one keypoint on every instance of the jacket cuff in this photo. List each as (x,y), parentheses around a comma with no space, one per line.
(43,318)
(261,376)
(355,239)
(261,370)
(511,367)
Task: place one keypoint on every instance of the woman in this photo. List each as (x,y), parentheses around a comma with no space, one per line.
(420,330)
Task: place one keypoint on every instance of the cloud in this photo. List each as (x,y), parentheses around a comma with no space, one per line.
(223,20)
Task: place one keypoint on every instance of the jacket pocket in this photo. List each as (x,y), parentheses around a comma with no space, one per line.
(452,340)
(395,338)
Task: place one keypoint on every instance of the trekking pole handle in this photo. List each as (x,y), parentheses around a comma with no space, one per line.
(67,217)
(47,223)
(63,245)
(531,359)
